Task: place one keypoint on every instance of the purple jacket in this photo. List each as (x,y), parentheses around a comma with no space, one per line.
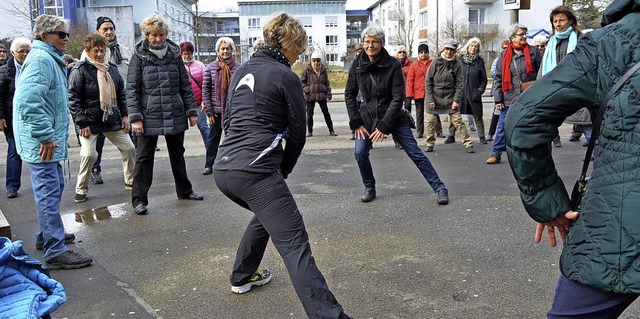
(214,100)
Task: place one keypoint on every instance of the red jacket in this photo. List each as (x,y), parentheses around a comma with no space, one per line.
(416,79)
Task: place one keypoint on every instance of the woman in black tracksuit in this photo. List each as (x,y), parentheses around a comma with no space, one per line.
(266,99)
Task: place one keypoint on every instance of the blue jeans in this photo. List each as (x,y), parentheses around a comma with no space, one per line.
(500,141)
(203,126)
(14,166)
(403,136)
(575,300)
(47,181)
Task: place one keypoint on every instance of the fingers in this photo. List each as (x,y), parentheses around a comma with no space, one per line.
(552,235)
(539,230)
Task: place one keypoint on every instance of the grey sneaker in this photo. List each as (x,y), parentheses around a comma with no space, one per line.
(68,239)
(260,278)
(96,177)
(68,260)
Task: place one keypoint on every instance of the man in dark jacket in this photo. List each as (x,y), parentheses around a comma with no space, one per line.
(599,262)
(379,76)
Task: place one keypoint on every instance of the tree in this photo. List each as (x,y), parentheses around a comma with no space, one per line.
(454,29)
(195,26)
(589,12)
(404,29)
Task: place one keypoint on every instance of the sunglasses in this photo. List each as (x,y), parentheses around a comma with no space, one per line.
(61,34)
(315,60)
(402,52)
(424,52)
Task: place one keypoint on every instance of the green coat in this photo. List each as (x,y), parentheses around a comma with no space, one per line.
(602,248)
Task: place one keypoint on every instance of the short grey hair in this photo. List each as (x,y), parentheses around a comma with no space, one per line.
(48,23)
(153,22)
(540,39)
(257,45)
(18,42)
(513,29)
(373,31)
(226,40)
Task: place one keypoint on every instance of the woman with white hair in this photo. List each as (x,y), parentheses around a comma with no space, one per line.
(160,102)
(474,82)
(316,88)
(215,86)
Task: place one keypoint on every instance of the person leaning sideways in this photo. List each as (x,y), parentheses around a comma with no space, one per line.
(517,65)
(215,88)
(316,88)
(196,73)
(97,101)
(379,76)
(9,75)
(265,100)
(600,277)
(160,102)
(444,94)
(41,128)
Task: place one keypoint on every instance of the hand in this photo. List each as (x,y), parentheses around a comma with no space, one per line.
(125,124)
(361,133)
(137,127)
(432,105)
(193,120)
(562,223)
(376,136)
(202,107)
(3,124)
(47,150)
(454,106)
(212,119)
(499,106)
(85,132)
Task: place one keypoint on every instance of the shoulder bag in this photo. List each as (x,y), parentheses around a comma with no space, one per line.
(578,188)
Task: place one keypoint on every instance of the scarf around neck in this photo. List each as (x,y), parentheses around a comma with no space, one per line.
(549,59)
(106,87)
(158,51)
(448,59)
(507,58)
(225,68)
(470,58)
(114,48)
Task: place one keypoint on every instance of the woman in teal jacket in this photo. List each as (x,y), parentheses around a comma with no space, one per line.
(600,259)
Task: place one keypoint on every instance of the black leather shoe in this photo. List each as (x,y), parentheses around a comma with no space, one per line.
(140,209)
(193,196)
(429,149)
(450,140)
(12,194)
(333,133)
(443,196)
(369,195)
(309,134)
(440,135)
(207,171)
(470,150)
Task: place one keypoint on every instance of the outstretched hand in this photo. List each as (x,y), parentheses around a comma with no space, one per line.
(561,223)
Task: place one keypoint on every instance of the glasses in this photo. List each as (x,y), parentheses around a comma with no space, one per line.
(315,60)
(449,49)
(521,34)
(541,46)
(402,52)
(3,51)
(423,52)
(21,52)
(61,34)
(372,43)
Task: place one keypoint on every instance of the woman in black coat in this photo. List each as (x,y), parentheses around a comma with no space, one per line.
(161,102)
(474,80)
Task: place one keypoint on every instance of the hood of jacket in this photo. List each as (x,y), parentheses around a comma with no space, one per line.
(618,9)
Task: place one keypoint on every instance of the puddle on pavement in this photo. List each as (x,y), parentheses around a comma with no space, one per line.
(93,215)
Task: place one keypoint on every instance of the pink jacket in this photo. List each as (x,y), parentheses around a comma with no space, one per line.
(196,69)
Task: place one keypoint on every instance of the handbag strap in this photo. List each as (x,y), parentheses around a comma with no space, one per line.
(600,115)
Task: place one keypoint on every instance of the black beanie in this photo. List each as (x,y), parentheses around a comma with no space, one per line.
(102,20)
(423,47)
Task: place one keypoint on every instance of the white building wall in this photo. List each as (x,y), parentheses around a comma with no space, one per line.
(382,13)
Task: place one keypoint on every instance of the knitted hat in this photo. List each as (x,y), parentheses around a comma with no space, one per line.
(102,20)
(423,47)
(3,47)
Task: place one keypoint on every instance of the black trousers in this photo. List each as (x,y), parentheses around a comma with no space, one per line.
(325,112)
(215,134)
(276,215)
(143,172)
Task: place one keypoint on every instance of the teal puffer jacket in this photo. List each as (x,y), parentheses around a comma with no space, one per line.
(41,104)
(602,248)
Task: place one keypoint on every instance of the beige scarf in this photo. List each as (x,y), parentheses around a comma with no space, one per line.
(106,87)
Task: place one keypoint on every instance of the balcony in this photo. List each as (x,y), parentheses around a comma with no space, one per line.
(475,28)
(479,1)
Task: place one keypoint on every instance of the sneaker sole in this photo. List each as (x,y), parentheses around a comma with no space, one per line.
(247,287)
(80,200)
(54,266)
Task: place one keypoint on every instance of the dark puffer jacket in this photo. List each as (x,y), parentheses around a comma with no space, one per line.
(315,87)
(211,84)
(601,249)
(444,85)
(7,88)
(474,80)
(158,91)
(84,98)
(383,99)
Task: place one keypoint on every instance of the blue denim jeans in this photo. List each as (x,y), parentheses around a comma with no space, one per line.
(575,300)
(47,181)
(14,166)
(403,136)
(203,126)
(500,141)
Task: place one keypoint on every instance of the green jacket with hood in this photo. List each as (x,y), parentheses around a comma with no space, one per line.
(601,249)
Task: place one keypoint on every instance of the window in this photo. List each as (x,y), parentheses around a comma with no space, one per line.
(331,57)
(54,7)
(310,43)
(254,23)
(424,20)
(252,41)
(476,16)
(331,21)
(331,40)
(306,22)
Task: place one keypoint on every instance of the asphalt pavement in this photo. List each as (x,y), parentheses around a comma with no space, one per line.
(399,256)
